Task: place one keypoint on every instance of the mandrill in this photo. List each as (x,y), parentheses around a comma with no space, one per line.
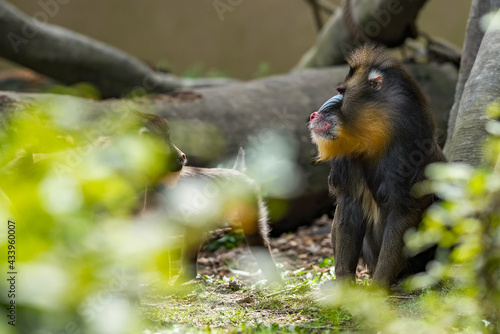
(379,135)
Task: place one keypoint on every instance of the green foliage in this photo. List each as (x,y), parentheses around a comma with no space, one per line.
(466,225)
(194,70)
(73,196)
(263,70)
(163,66)
(215,73)
(326,262)
(82,89)
(213,305)
(197,70)
(228,241)
(77,242)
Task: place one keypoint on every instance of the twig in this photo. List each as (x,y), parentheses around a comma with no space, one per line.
(318,6)
(326,6)
(317,14)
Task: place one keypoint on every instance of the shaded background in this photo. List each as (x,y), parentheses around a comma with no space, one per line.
(258,35)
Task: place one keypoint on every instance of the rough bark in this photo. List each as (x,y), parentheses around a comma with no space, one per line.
(70,57)
(240,111)
(387,22)
(481,89)
(473,38)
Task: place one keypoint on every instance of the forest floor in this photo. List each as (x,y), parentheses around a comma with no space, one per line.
(228,299)
(305,249)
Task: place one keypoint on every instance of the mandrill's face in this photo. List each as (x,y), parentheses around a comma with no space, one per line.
(355,122)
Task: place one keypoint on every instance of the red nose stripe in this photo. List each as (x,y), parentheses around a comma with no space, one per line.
(314,115)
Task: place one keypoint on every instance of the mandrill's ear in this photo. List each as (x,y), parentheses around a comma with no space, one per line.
(375,79)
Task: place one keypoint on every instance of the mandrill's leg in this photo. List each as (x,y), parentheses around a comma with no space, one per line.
(392,258)
(348,231)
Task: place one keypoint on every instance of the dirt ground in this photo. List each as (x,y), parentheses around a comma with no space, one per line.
(302,249)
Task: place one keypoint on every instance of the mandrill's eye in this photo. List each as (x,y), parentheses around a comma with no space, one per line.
(341,89)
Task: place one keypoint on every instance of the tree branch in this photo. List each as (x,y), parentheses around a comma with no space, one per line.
(70,57)
(316,13)
(361,21)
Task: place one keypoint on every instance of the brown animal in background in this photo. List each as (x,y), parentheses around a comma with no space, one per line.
(239,202)
(236,196)
(379,135)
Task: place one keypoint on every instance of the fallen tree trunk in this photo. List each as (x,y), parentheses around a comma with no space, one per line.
(70,57)
(238,115)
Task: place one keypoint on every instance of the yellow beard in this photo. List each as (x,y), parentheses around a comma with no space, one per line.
(369,138)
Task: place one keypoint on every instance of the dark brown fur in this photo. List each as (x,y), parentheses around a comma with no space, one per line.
(379,139)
